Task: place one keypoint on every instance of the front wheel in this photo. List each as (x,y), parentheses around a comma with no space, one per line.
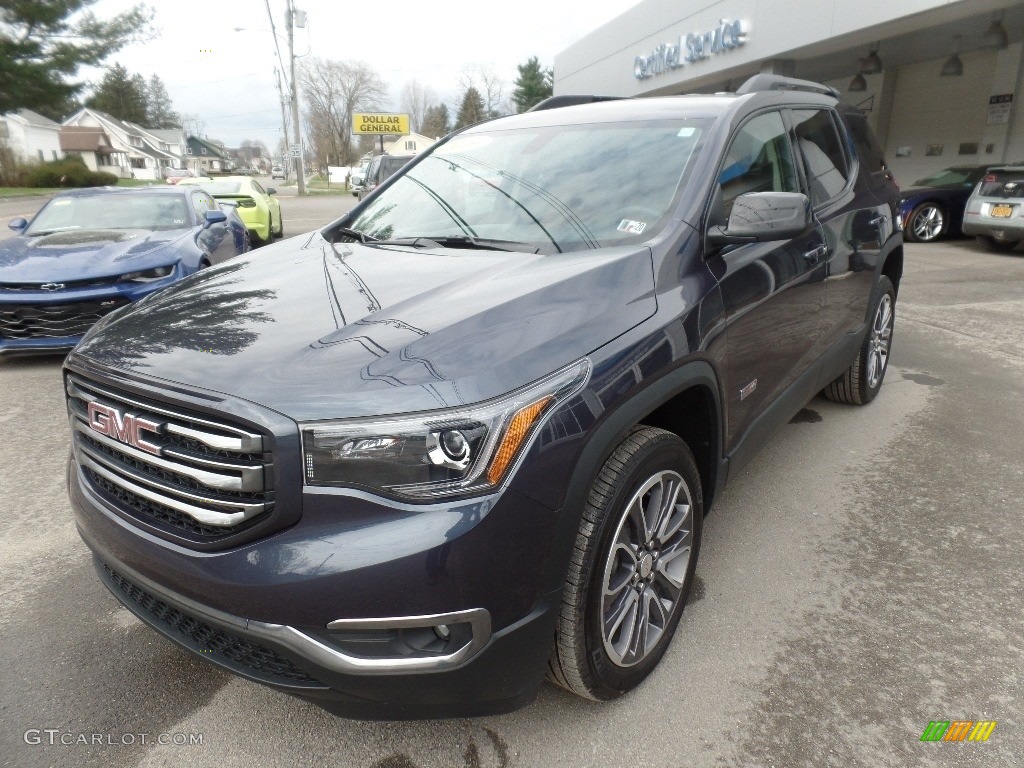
(632,567)
(280,227)
(860,383)
(926,223)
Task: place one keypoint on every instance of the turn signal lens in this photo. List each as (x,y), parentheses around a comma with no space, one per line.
(518,428)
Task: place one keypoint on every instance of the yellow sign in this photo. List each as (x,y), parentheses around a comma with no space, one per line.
(380,124)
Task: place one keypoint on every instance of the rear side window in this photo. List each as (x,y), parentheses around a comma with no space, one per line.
(822,151)
(389,166)
(1003,183)
(760,159)
(867,145)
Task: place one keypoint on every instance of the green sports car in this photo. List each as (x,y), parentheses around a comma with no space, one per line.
(259,210)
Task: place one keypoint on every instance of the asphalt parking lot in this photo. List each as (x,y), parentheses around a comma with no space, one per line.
(862,577)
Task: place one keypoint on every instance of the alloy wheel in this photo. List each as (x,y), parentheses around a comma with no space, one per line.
(646,568)
(927,223)
(881,337)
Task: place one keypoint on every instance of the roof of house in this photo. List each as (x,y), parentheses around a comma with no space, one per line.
(79,139)
(212,147)
(33,118)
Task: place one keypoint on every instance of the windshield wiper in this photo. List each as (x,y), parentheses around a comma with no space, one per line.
(355,234)
(464,241)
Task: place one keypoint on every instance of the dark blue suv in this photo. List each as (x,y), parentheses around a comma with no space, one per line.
(465,436)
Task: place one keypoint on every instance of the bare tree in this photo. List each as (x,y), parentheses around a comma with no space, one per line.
(334,91)
(416,100)
(490,87)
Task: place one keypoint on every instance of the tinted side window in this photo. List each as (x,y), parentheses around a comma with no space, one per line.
(824,158)
(760,159)
(867,145)
(202,203)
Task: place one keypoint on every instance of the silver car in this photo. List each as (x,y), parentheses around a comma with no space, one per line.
(995,210)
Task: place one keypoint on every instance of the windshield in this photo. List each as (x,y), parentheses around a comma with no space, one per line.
(222,187)
(120,211)
(556,188)
(952,177)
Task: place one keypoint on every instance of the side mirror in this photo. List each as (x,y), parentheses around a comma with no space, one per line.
(758,217)
(18,224)
(271,191)
(215,217)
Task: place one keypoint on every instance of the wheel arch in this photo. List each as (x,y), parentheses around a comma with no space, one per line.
(685,401)
(892,267)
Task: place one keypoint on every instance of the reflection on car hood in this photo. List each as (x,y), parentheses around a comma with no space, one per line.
(79,254)
(315,333)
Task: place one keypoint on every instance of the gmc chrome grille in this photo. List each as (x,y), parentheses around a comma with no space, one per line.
(173,469)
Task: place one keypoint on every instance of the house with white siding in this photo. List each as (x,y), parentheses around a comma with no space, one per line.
(30,136)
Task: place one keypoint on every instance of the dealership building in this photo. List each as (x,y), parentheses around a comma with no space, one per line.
(940,80)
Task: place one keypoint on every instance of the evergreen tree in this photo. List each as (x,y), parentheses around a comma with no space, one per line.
(43,44)
(472,109)
(532,86)
(436,121)
(159,107)
(121,95)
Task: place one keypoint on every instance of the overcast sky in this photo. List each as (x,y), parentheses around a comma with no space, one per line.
(226,77)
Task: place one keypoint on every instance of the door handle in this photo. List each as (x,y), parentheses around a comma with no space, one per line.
(815,255)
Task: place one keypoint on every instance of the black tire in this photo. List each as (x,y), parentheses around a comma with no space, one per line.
(580,660)
(998,246)
(927,223)
(860,383)
(204,263)
(280,231)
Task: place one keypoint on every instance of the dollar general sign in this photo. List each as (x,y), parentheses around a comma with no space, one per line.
(378,124)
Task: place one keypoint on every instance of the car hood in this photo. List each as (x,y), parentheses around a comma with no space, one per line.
(315,331)
(80,254)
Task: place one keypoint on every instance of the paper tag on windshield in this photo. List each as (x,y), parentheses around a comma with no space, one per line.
(632,227)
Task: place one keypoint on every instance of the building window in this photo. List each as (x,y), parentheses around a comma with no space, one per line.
(40,153)
(54,153)
(203,150)
(411,146)
(188,150)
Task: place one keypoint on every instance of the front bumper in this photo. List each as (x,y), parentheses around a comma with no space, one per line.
(44,322)
(276,612)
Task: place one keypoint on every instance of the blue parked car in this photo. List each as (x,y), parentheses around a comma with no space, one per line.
(934,206)
(88,252)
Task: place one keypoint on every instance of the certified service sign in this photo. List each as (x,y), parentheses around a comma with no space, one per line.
(692,48)
(380,124)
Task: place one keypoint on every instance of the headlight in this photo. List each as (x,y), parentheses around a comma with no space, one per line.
(146,275)
(436,454)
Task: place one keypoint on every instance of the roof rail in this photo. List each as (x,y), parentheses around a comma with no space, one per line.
(555,102)
(780,83)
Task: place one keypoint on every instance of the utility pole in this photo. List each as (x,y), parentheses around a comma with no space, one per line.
(290,21)
(284,114)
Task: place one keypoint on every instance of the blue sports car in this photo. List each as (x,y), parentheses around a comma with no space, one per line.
(88,252)
(934,206)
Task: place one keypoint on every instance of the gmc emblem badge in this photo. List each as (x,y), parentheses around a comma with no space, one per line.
(124,427)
